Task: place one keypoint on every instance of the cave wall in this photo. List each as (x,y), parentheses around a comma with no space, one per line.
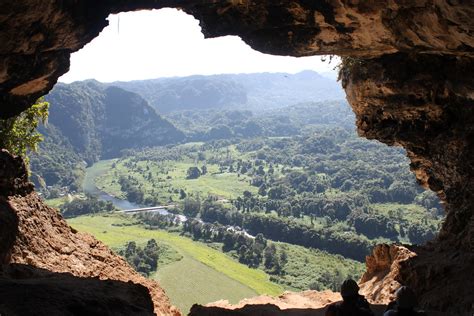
(425,104)
(409,81)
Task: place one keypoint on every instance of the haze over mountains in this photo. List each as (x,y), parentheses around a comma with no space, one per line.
(256,92)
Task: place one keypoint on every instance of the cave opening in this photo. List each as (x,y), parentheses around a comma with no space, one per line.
(400,96)
(329,181)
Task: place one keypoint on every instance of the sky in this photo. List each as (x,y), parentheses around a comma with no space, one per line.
(169,43)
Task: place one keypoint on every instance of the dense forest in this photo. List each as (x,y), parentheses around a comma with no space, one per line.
(326,189)
(85,205)
(207,125)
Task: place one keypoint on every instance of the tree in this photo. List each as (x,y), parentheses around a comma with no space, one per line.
(201,156)
(283,257)
(247,194)
(191,207)
(135,195)
(260,171)
(270,169)
(270,255)
(18,134)
(193,173)
(260,239)
(143,260)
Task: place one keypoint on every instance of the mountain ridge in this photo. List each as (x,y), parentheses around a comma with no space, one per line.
(89,121)
(253,91)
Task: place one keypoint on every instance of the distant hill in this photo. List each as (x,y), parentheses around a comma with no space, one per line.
(188,93)
(336,113)
(211,124)
(89,121)
(256,92)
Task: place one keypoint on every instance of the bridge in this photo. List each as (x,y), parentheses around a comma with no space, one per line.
(147,209)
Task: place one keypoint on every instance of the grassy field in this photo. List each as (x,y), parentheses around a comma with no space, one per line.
(96,173)
(165,179)
(226,185)
(408,212)
(189,281)
(201,276)
(96,170)
(56,202)
(313,268)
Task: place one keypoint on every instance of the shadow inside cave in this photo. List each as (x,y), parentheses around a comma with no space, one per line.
(267,310)
(27,290)
(439,269)
(13,181)
(8,230)
(273,310)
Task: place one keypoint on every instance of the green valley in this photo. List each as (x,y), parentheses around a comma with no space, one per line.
(253,199)
(199,267)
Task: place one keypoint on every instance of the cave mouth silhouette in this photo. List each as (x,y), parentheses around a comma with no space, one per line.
(422,107)
(52,293)
(112,49)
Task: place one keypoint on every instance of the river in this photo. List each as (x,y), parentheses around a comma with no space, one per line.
(99,169)
(88,186)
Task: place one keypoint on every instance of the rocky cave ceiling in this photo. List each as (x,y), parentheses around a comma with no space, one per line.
(409,81)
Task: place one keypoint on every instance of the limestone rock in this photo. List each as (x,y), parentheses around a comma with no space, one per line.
(13,175)
(379,282)
(306,303)
(305,299)
(426,105)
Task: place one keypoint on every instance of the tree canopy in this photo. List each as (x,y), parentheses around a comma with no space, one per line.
(18,134)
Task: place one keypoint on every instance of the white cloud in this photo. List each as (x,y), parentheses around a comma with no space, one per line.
(168,42)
